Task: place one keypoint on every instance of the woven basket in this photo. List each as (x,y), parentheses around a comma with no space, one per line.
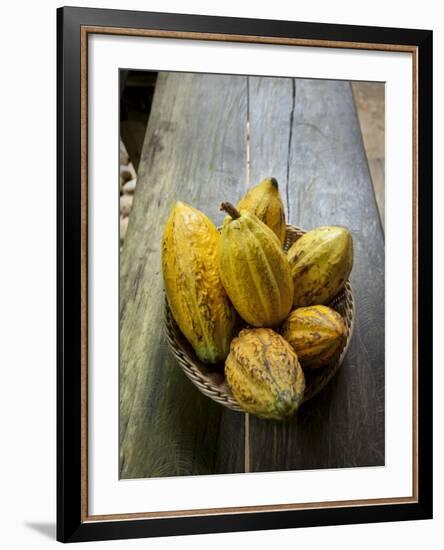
(210,379)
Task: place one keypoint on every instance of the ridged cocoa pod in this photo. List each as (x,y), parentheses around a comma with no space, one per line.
(264,201)
(264,374)
(197,299)
(254,269)
(316,333)
(320,261)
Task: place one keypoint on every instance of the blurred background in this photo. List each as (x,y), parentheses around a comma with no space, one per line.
(136,94)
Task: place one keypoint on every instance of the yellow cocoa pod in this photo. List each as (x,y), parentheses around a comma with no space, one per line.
(254,269)
(316,333)
(264,374)
(197,299)
(320,261)
(264,201)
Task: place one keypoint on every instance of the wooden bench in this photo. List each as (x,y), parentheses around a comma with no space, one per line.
(208,138)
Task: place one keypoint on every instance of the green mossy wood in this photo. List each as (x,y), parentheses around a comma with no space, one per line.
(306,134)
(194,151)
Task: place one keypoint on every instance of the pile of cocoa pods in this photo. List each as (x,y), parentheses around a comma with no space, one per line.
(244,302)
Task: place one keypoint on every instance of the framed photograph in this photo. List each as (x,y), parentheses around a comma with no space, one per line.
(244,274)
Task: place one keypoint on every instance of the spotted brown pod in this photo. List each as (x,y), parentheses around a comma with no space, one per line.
(320,262)
(264,374)
(316,333)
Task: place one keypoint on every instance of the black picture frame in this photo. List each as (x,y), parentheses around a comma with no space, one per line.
(71,524)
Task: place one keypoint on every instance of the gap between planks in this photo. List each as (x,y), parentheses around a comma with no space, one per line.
(290,138)
(247,446)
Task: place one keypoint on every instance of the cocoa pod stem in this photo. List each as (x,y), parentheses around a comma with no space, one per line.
(229,209)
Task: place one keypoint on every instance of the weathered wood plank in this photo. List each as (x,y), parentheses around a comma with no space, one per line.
(329,183)
(194,151)
(271,103)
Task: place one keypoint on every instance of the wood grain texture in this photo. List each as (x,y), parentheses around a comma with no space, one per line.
(329,184)
(271,104)
(194,150)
